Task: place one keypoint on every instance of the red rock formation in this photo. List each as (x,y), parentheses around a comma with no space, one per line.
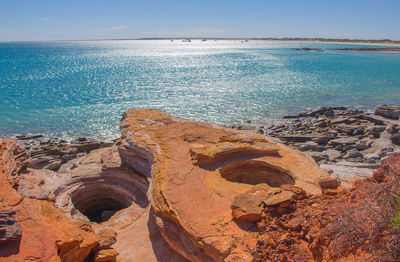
(339,226)
(47,234)
(170,189)
(198,169)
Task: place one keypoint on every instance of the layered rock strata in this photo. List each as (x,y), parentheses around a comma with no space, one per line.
(350,143)
(169,189)
(196,172)
(47,234)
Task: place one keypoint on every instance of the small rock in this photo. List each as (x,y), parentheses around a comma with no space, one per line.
(343,141)
(354,154)
(391,129)
(332,154)
(248,206)
(375,130)
(329,183)
(82,139)
(282,199)
(310,145)
(395,138)
(318,156)
(106,255)
(388,111)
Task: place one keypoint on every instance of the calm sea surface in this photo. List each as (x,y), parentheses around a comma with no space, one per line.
(81,88)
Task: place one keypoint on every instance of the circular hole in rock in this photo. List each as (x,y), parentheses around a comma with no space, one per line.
(255,172)
(99,201)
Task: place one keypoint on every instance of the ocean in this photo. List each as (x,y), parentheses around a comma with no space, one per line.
(81,88)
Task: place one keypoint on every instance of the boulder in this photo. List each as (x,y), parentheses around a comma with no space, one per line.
(282,199)
(248,206)
(329,183)
(388,111)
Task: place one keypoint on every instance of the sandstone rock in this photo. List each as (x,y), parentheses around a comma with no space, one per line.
(391,129)
(248,206)
(9,227)
(17,159)
(332,154)
(283,199)
(39,161)
(106,255)
(48,235)
(375,130)
(299,192)
(110,158)
(322,140)
(318,156)
(395,139)
(347,129)
(363,144)
(210,166)
(239,257)
(343,141)
(310,145)
(53,165)
(107,237)
(388,110)
(329,183)
(348,170)
(353,154)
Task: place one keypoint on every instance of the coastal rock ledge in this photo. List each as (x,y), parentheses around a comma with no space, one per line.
(169,189)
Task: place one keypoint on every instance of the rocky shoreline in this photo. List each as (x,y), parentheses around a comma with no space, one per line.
(348,142)
(259,199)
(345,141)
(52,152)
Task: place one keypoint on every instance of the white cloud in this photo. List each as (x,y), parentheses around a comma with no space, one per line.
(114,28)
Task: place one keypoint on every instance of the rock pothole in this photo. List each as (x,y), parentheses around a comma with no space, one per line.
(255,172)
(100,201)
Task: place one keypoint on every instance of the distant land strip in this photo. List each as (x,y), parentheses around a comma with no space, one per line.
(367,41)
(386,49)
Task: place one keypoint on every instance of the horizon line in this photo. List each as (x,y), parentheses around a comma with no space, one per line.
(389,41)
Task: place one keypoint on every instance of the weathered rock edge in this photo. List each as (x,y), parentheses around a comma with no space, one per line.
(192,169)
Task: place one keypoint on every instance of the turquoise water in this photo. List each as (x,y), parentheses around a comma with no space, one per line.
(81,88)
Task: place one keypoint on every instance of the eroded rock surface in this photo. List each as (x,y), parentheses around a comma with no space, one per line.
(169,189)
(47,234)
(9,227)
(196,172)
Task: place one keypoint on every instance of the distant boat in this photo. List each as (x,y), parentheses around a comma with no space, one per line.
(187,40)
(204,40)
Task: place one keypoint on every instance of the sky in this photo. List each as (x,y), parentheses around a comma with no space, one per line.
(38,20)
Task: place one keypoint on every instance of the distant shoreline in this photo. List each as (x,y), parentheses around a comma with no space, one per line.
(384,42)
(305,40)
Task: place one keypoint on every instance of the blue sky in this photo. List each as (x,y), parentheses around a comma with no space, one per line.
(108,19)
